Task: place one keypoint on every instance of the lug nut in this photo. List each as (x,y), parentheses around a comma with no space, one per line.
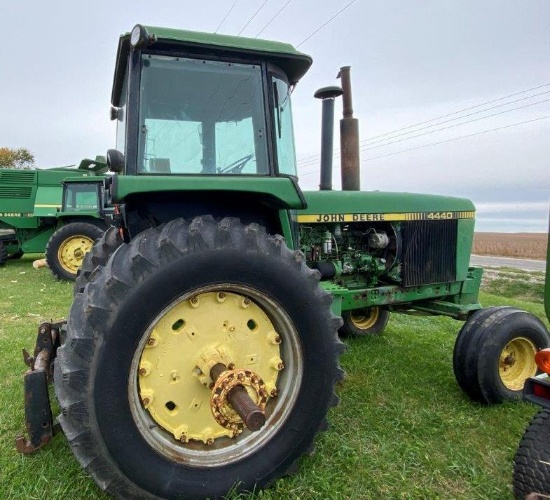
(274,393)
(145,401)
(142,371)
(210,441)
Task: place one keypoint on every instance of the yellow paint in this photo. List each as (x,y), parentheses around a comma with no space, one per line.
(383,217)
(184,344)
(365,318)
(71,252)
(517,363)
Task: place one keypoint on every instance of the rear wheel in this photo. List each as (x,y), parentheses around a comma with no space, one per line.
(67,247)
(495,353)
(366,321)
(532,460)
(140,408)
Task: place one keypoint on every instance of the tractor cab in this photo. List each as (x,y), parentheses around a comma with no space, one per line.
(204,104)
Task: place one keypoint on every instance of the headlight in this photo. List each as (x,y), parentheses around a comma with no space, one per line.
(139,36)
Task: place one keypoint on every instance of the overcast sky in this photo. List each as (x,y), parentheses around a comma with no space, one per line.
(411,61)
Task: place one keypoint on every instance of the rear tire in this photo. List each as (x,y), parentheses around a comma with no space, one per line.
(144,308)
(495,353)
(532,460)
(67,246)
(364,322)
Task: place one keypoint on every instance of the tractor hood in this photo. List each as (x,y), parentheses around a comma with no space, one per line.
(365,206)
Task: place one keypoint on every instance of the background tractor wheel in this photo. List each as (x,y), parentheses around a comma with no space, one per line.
(133,376)
(101,250)
(16,255)
(368,321)
(68,245)
(532,461)
(495,353)
(3,254)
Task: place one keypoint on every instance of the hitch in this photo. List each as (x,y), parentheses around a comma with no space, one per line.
(38,413)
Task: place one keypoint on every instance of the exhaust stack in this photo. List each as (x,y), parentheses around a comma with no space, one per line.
(327,95)
(349,137)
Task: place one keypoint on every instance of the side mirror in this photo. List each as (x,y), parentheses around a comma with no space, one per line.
(115,161)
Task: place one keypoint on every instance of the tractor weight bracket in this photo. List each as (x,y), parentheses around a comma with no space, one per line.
(39,422)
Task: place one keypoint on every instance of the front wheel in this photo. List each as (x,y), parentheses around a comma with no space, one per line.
(363,322)
(67,247)
(495,353)
(141,407)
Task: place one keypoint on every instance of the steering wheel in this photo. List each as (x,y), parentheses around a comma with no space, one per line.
(237,166)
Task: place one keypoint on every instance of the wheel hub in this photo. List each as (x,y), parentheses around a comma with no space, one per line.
(364,318)
(517,363)
(222,410)
(72,251)
(183,345)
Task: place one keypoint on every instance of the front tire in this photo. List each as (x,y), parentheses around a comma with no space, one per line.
(132,381)
(532,460)
(67,247)
(495,353)
(364,322)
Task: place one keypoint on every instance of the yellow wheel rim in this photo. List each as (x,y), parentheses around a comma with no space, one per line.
(170,388)
(71,252)
(517,363)
(365,318)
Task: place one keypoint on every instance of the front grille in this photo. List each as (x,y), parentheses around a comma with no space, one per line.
(429,252)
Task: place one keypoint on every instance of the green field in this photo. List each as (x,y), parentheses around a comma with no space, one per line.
(403,428)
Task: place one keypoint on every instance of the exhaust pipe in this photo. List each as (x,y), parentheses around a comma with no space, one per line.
(349,137)
(327,95)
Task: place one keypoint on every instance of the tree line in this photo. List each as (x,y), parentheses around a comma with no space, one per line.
(19,158)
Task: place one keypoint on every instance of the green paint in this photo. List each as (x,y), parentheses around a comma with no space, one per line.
(30,201)
(275,192)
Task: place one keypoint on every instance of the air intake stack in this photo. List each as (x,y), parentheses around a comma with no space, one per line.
(327,95)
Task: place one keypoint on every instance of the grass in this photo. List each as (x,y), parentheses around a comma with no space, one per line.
(403,428)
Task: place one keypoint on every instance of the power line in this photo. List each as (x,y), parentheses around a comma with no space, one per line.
(447,141)
(335,156)
(304,159)
(273,18)
(323,25)
(252,17)
(370,141)
(462,110)
(226,15)
(450,140)
(460,137)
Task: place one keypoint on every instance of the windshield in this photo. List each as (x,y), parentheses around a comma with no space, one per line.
(201,117)
(80,196)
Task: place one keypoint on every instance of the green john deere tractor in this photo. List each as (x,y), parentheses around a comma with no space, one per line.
(56,211)
(201,350)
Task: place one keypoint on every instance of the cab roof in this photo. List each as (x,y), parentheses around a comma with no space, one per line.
(294,63)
